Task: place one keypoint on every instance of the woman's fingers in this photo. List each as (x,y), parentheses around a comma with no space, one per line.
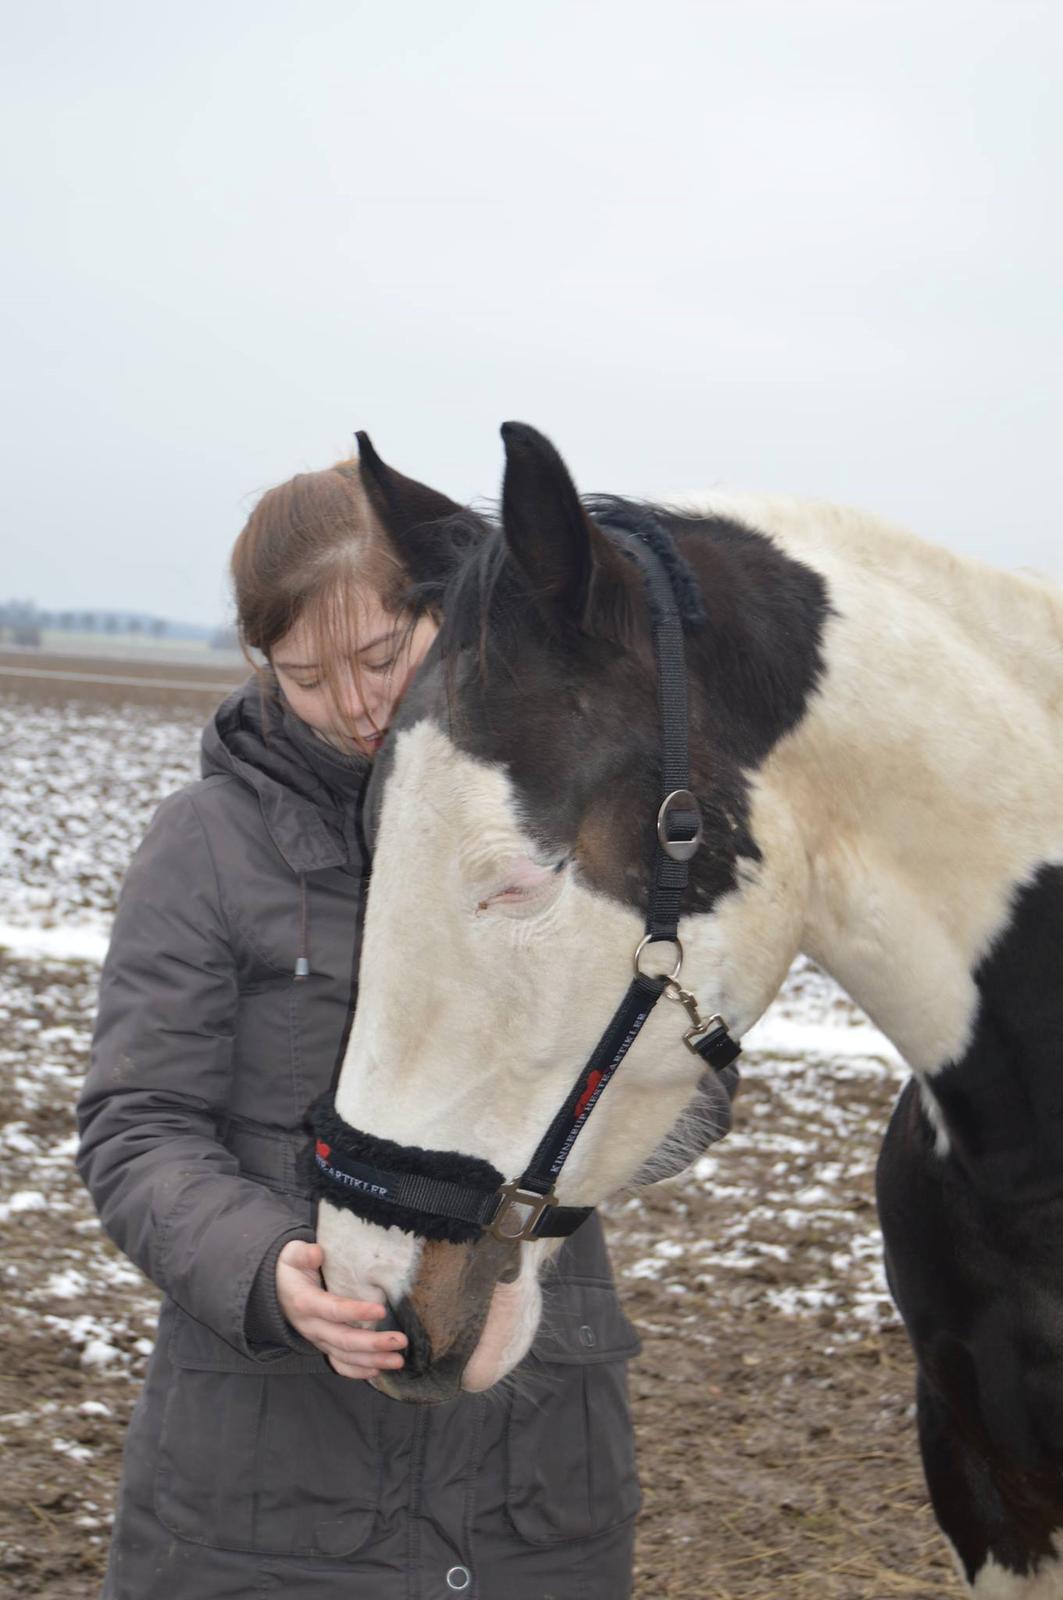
(360,1342)
(331,1322)
(334,1309)
(349,1369)
(299,1266)
(308,1300)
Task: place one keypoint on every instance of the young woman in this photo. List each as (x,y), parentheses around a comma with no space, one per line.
(257,1463)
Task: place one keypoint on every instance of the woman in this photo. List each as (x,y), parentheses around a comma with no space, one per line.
(257,1462)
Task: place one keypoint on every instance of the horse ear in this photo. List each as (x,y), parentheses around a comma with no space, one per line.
(547,531)
(407,511)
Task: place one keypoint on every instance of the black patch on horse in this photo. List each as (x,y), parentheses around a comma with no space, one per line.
(572,712)
(1003,1101)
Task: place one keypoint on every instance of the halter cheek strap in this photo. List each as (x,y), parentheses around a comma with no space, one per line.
(447,1195)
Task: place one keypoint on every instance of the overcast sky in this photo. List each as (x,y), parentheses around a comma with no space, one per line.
(794,246)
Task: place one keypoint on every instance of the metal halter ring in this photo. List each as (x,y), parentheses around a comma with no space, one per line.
(650,939)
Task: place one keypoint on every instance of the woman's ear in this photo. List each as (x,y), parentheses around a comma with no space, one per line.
(410,514)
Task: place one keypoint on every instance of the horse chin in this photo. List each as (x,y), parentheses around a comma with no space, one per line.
(512,1319)
(432,1388)
(468,1316)
(507,1330)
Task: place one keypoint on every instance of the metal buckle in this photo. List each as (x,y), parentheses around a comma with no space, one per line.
(514,1199)
(678,849)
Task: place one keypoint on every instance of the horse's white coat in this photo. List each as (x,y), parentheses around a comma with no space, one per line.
(928,774)
(921,789)
(994,1582)
(363,1262)
(478,1053)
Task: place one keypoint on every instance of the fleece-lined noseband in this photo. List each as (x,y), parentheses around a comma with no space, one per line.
(446,1195)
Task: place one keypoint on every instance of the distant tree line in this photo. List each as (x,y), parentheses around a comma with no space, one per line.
(23,622)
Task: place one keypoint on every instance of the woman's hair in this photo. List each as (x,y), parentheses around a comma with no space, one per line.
(310,552)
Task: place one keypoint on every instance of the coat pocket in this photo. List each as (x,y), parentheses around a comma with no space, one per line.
(570,1447)
(275,1462)
(270,1156)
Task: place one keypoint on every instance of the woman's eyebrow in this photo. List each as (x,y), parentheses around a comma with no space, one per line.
(312,666)
(381,638)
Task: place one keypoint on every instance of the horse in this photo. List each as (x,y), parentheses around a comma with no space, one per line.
(875,758)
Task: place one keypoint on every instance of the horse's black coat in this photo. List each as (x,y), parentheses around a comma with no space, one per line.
(568,705)
(1004,1101)
(974,1243)
(548,667)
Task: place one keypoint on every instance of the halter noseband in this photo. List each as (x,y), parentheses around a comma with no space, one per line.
(447,1195)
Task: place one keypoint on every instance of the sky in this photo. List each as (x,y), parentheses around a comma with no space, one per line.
(800,246)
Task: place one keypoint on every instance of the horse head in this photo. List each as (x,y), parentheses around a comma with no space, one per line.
(515,808)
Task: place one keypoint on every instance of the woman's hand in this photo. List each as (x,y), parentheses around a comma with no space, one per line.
(329,1321)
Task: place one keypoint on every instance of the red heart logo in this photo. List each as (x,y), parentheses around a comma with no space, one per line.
(592,1083)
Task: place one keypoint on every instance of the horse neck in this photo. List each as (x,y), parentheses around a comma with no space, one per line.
(928,772)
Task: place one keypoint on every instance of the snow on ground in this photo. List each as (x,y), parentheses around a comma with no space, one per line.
(80,787)
(80,784)
(784,1200)
(779,1216)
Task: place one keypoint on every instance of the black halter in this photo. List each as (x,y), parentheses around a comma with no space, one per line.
(446,1195)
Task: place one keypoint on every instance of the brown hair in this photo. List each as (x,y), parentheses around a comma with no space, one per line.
(309,552)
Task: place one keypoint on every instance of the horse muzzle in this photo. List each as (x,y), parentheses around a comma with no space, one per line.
(444,1314)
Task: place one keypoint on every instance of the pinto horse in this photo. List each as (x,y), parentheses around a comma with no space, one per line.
(875,746)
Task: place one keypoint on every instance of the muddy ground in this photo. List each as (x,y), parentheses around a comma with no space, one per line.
(776,1442)
(773,1395)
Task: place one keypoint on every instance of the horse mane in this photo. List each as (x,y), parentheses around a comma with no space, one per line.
(644,521)
(487,595)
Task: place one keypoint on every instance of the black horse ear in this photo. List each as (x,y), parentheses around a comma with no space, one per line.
(407,511)
(548,532)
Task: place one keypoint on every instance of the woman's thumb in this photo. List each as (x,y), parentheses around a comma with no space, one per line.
(306,1254)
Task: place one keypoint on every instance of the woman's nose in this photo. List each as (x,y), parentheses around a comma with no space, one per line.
(350,701)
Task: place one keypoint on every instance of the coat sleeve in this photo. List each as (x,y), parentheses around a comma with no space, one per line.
(168,1192)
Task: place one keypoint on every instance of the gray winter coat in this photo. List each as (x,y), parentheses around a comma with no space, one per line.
(251,1468)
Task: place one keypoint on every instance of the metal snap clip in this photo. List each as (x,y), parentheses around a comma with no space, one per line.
(459,1578)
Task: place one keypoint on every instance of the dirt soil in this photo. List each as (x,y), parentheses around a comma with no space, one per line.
(776,1445)
(42,678)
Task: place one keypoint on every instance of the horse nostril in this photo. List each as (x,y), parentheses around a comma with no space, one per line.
(418,1352)
(389,1322)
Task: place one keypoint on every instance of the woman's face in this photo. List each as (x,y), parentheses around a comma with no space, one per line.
(384,655)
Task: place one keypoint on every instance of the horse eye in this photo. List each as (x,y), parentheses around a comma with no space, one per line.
(527,885)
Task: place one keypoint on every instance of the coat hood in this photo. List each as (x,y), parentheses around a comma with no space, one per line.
(310,795)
